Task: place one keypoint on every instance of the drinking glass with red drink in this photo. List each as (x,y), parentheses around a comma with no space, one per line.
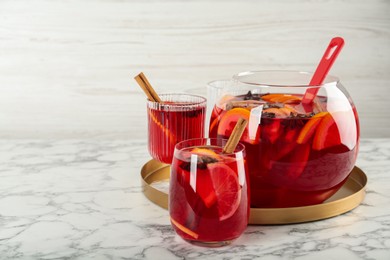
(176,118)
(298,154)
(208,193)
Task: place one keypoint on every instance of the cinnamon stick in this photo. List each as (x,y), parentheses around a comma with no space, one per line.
(235,137)
(143,82)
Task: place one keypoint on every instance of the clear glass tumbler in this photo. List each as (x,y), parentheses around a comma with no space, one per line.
(209,192)
(178,117)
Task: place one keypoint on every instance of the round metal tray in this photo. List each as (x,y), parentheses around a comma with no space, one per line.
(347,198)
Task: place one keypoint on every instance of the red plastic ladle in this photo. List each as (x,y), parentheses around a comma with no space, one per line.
(330,55)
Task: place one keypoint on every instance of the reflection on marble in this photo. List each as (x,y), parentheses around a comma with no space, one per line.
(83,199)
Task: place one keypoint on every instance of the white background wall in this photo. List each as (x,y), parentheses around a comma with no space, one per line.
(67,67)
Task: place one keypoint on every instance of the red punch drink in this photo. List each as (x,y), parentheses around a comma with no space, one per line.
(296,155)
(208,196)
(177,118)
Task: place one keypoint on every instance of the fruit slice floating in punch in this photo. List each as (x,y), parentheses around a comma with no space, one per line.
(184,229)
(226,188)
(272,129)
(281,98)
(229,120)
(309,129)
(171,136)
(281,112)
(327,134)
(205,152)
(204,187)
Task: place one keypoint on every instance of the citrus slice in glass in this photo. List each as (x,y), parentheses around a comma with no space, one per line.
(282,112)
(229,120)
(226,188)
(184,229)
(205,152)
(281,98)
(171,136)
(327,134)
(309,129)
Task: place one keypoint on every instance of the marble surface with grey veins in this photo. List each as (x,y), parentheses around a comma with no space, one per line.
(78,199)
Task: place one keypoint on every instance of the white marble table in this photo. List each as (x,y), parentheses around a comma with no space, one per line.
(83,199)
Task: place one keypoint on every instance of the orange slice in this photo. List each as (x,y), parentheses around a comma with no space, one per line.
(309,129)
(282,112)
(289,99)
(165,130)
(215,116)
(327,134)
(226,188)
(205,151)
(229,120)
(269,97)
(213,125)
(281,98)
(184,229)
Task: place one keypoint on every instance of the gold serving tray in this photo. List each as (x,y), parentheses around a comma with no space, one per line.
(347,198)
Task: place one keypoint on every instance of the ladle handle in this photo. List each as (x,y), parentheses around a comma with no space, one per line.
(330,55)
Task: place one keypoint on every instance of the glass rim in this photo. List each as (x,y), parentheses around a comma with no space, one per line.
(240,146)
(185,104)
(213,82)
(329,80)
